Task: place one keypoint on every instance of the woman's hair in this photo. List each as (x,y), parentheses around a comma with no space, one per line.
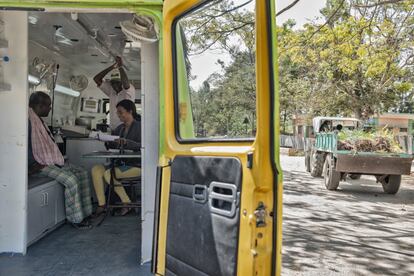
(129,106)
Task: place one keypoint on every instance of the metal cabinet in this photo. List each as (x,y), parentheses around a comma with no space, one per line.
(34,215)
(59,196)
(45,210)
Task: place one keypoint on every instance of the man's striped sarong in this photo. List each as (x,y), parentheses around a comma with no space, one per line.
(78,203)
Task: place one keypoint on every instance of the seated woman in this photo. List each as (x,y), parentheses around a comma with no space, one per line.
(130,138)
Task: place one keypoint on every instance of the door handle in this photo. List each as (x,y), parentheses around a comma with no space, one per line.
(223,198)
(200,193)
(43,203)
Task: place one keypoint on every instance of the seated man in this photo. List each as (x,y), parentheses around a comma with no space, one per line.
(45,158)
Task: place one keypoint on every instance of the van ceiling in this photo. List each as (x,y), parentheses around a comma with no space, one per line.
(67,39)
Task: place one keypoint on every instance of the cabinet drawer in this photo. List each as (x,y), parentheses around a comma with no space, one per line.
(35,206)
(59,204)
(45,209)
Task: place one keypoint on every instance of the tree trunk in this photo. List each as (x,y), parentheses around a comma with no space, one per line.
(358,112)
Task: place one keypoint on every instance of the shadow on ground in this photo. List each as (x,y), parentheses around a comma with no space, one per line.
(357,230)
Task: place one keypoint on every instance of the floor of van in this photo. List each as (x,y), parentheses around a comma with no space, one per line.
(110,249)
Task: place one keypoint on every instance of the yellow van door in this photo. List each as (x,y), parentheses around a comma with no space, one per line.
(218,205)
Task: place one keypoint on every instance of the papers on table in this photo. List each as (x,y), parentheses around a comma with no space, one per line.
(102,136)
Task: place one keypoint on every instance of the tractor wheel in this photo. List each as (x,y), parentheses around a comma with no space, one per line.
(391,184)
(331,176)
(318,159)
(307,162)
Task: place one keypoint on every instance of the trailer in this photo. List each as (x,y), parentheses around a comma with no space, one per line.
(386,167)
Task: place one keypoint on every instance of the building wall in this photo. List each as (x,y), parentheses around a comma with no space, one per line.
(393,122)
(410,127)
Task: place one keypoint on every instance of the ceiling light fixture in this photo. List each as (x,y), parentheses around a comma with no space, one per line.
(34,80)
(67,91)
(59,88)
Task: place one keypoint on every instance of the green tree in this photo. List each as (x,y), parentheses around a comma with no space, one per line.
(221,105)
(227,99)
(358,63)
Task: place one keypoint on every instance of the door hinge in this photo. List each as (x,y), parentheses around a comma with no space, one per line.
(165,162)
(260,214)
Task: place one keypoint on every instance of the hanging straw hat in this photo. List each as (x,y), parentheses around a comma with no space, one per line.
(140,29)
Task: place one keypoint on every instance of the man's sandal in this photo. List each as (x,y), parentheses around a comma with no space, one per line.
(84,225)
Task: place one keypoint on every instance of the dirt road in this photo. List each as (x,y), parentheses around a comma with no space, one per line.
(357,230)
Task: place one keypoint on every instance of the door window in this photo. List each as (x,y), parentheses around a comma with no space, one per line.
(215,78)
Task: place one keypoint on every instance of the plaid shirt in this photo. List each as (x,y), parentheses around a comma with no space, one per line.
(45,150)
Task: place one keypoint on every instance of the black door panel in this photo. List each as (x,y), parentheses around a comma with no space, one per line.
(203,218)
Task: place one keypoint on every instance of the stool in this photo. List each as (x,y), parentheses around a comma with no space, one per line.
(133,183)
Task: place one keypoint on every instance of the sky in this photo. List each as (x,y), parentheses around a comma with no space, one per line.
(206,64)
(302,12)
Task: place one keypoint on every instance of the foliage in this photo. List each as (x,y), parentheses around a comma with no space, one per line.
(224,106)
(368,141)
(224,102)
(359,62)
(223,26)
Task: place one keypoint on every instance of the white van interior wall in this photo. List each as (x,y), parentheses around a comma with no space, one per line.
(150,138)
(58,38)
(64,104)
(65,107)
(13,134)
(92,91)
(44,55)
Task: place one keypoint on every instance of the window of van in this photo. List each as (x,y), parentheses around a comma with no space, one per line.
(215,77)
